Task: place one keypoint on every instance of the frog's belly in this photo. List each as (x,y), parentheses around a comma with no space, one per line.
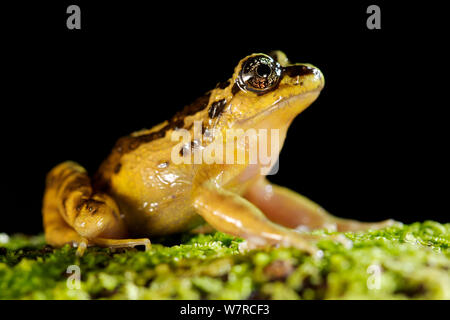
(161,219)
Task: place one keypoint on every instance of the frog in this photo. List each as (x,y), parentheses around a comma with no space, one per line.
(142,190)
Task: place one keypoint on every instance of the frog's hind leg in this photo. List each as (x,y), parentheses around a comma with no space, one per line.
(74,213)
(293,210)
(230,213)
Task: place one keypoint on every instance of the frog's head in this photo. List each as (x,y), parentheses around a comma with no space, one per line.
(266,91)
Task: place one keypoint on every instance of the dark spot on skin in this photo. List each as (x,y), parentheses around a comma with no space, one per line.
(93,205)
(223,84)
(133,144)
(177,124)
(235,89)
(298,70)
(217,108)
(203,128)
(117,168)
(116,215)
(90,205)
(79,183)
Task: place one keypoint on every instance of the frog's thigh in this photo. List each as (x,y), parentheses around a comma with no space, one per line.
(57,231)
(293,210)
(230,213)
(74,213)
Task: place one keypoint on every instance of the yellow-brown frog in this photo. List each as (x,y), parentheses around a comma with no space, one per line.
(140,190)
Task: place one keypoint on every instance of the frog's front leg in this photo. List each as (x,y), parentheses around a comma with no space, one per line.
(232,214)
(293,210)
(74,213)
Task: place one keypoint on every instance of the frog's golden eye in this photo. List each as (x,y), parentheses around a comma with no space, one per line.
(259,74)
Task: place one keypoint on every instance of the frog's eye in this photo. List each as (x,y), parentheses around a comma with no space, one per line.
(259,74)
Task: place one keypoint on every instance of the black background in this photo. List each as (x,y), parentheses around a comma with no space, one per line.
(373,146)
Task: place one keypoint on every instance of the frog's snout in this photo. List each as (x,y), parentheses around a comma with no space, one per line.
(306,72)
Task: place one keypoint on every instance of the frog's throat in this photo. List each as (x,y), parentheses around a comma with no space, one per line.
(294,104)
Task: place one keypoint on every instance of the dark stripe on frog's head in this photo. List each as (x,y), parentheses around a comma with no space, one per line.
(117,168)
(235,89)
(297,70)
(130,143)
(217,108)
(291,71)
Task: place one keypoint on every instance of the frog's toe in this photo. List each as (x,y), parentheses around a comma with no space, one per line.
(309,248)
(384,224)
(344,225)
(122,243)
(305,244)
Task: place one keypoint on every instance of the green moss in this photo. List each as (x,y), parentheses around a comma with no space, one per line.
(400,262)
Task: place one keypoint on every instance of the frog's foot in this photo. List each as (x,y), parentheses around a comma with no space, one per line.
(232,214)
(121,243)
(293,210)
(110,243)
(345,225)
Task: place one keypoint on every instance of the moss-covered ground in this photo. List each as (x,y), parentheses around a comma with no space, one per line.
(400,262)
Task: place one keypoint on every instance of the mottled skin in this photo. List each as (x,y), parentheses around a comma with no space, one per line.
(140,192)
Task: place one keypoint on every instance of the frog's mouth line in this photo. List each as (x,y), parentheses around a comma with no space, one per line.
(286,103)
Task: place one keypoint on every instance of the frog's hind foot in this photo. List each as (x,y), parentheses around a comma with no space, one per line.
(76,213)
(111,243)
(346,225)
(122,243)
(293,210)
